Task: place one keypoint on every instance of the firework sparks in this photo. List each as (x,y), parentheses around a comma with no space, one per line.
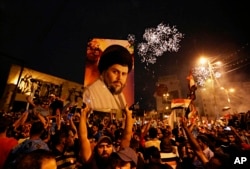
(158,40)
(201,73)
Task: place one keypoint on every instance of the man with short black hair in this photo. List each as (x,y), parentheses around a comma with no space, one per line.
(64,147)
(33,143)
(153,156)
(39,158)
(95,132)
(204,143)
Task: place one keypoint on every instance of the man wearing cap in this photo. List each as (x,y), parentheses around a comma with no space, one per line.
(105,94)
(125,158)
(100,157)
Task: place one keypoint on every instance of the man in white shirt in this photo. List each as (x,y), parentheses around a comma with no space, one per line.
(105,94)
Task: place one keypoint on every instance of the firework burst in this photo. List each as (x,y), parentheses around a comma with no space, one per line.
(157,41)
(201,73)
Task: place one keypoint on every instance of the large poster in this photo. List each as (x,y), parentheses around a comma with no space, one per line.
(95,49)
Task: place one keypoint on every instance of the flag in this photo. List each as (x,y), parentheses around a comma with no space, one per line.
(172,119)
(180,103)
(191,86)
(191,81)
(191,112)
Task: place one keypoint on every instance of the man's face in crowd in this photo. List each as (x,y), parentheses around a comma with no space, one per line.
(70,140)
(115,78)
(231,138)
(104,150)
(126,165)
(94,129)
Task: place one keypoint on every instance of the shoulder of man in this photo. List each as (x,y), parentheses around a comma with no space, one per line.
(15,153)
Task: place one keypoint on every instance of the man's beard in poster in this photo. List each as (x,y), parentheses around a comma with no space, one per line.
(115,90)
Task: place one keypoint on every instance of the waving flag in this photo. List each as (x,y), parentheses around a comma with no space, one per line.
(172,119)
(180,103)
(191,111)
(191,86)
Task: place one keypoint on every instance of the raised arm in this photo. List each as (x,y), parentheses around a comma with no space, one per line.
(85,148)
(73,126)
(21,120)
(41,118)
(127,134)
(58,121)
(30,101)
(193,142)
(146,127)
(237,135)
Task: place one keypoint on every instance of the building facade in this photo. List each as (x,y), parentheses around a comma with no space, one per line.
(23,82)
(169,88)
(220,100)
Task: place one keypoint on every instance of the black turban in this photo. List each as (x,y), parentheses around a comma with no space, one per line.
(115,54)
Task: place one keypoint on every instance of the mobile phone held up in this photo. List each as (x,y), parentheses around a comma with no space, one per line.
(69,116)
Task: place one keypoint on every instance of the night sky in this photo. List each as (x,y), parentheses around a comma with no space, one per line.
(50,36)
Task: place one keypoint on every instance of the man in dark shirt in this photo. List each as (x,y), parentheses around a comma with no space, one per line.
(56,105)
(63,147)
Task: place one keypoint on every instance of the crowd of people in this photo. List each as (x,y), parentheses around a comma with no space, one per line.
(55,135)
(83,140)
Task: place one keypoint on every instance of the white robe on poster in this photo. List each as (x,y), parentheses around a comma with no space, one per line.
(99,98)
